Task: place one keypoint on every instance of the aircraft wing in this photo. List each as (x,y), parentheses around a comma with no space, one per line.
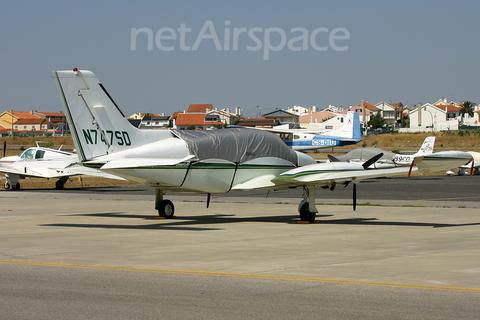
(476,160)
(324,174)
(53,169)
(39,169)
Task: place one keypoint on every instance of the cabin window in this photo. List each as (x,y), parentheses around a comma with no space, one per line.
(40,154)
(28,154)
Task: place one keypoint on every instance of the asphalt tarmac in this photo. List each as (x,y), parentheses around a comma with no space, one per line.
(412,251)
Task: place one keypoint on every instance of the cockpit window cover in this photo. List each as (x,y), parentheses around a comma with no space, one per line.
(236,145)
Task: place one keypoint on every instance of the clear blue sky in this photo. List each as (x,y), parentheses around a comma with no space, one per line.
(400,51)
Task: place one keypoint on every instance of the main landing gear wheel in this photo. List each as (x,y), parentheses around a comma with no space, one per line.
(16,186)
(7,185)
(305,214)
(166,209)
(59,184)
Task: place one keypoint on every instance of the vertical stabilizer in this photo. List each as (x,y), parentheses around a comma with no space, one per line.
(427,147)
(351,128)
(97,125)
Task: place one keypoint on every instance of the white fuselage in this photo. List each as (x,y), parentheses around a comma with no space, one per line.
(211,175)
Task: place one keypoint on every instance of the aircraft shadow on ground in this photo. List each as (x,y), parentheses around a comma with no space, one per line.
(375,221)
(194,223)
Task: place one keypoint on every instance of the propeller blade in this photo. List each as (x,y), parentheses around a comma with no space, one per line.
(333,159)
(372,160)
(354,196)
(4,148)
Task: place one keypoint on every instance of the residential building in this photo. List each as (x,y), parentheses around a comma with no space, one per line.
(30,124)
(26,122)
(194,120)
(258,123)
(307,120)
(154,121)
(429,117)
(196,108)
(301,111)
(369,114)
(388,112)
(283,116)
(204,116)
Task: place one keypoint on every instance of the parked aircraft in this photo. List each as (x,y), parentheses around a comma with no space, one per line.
(38,162)
(389,159)
(308,140)
(214,161)
(473,165)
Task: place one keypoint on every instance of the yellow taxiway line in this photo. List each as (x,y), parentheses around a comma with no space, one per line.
(243,275)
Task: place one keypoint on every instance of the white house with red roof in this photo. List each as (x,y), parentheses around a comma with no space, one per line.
(28,122)
(203,116)
(433,118)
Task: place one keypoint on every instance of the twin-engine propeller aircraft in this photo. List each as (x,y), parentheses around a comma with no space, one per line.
(38,162)
(215,161)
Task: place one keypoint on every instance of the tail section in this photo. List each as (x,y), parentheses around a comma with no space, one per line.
(350,130)
(98,126)
(425,150)
(427,147)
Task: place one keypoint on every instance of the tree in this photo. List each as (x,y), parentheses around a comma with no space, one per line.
(467,107)
(406,122)
(377,121)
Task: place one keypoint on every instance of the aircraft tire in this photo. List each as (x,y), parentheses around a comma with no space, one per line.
(7,185)
(306,215)
(166,209)
(16,186)
(59,184)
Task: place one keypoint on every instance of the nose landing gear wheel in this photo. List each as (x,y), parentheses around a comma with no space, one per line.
(6,185)
(59,184)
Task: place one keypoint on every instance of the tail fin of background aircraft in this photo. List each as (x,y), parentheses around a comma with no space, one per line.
(427,147)
(351,128)
(97,125)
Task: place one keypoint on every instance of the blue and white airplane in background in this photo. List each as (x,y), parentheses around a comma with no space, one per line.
(309,140)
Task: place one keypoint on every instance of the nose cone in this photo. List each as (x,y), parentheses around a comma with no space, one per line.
(7,161)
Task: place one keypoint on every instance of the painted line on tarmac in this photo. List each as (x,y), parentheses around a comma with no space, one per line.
(434,199)
(243,275)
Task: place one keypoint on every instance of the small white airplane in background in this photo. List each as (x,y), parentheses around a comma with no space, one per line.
(388,159)
(39,162)
(309,140)
(214,161)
